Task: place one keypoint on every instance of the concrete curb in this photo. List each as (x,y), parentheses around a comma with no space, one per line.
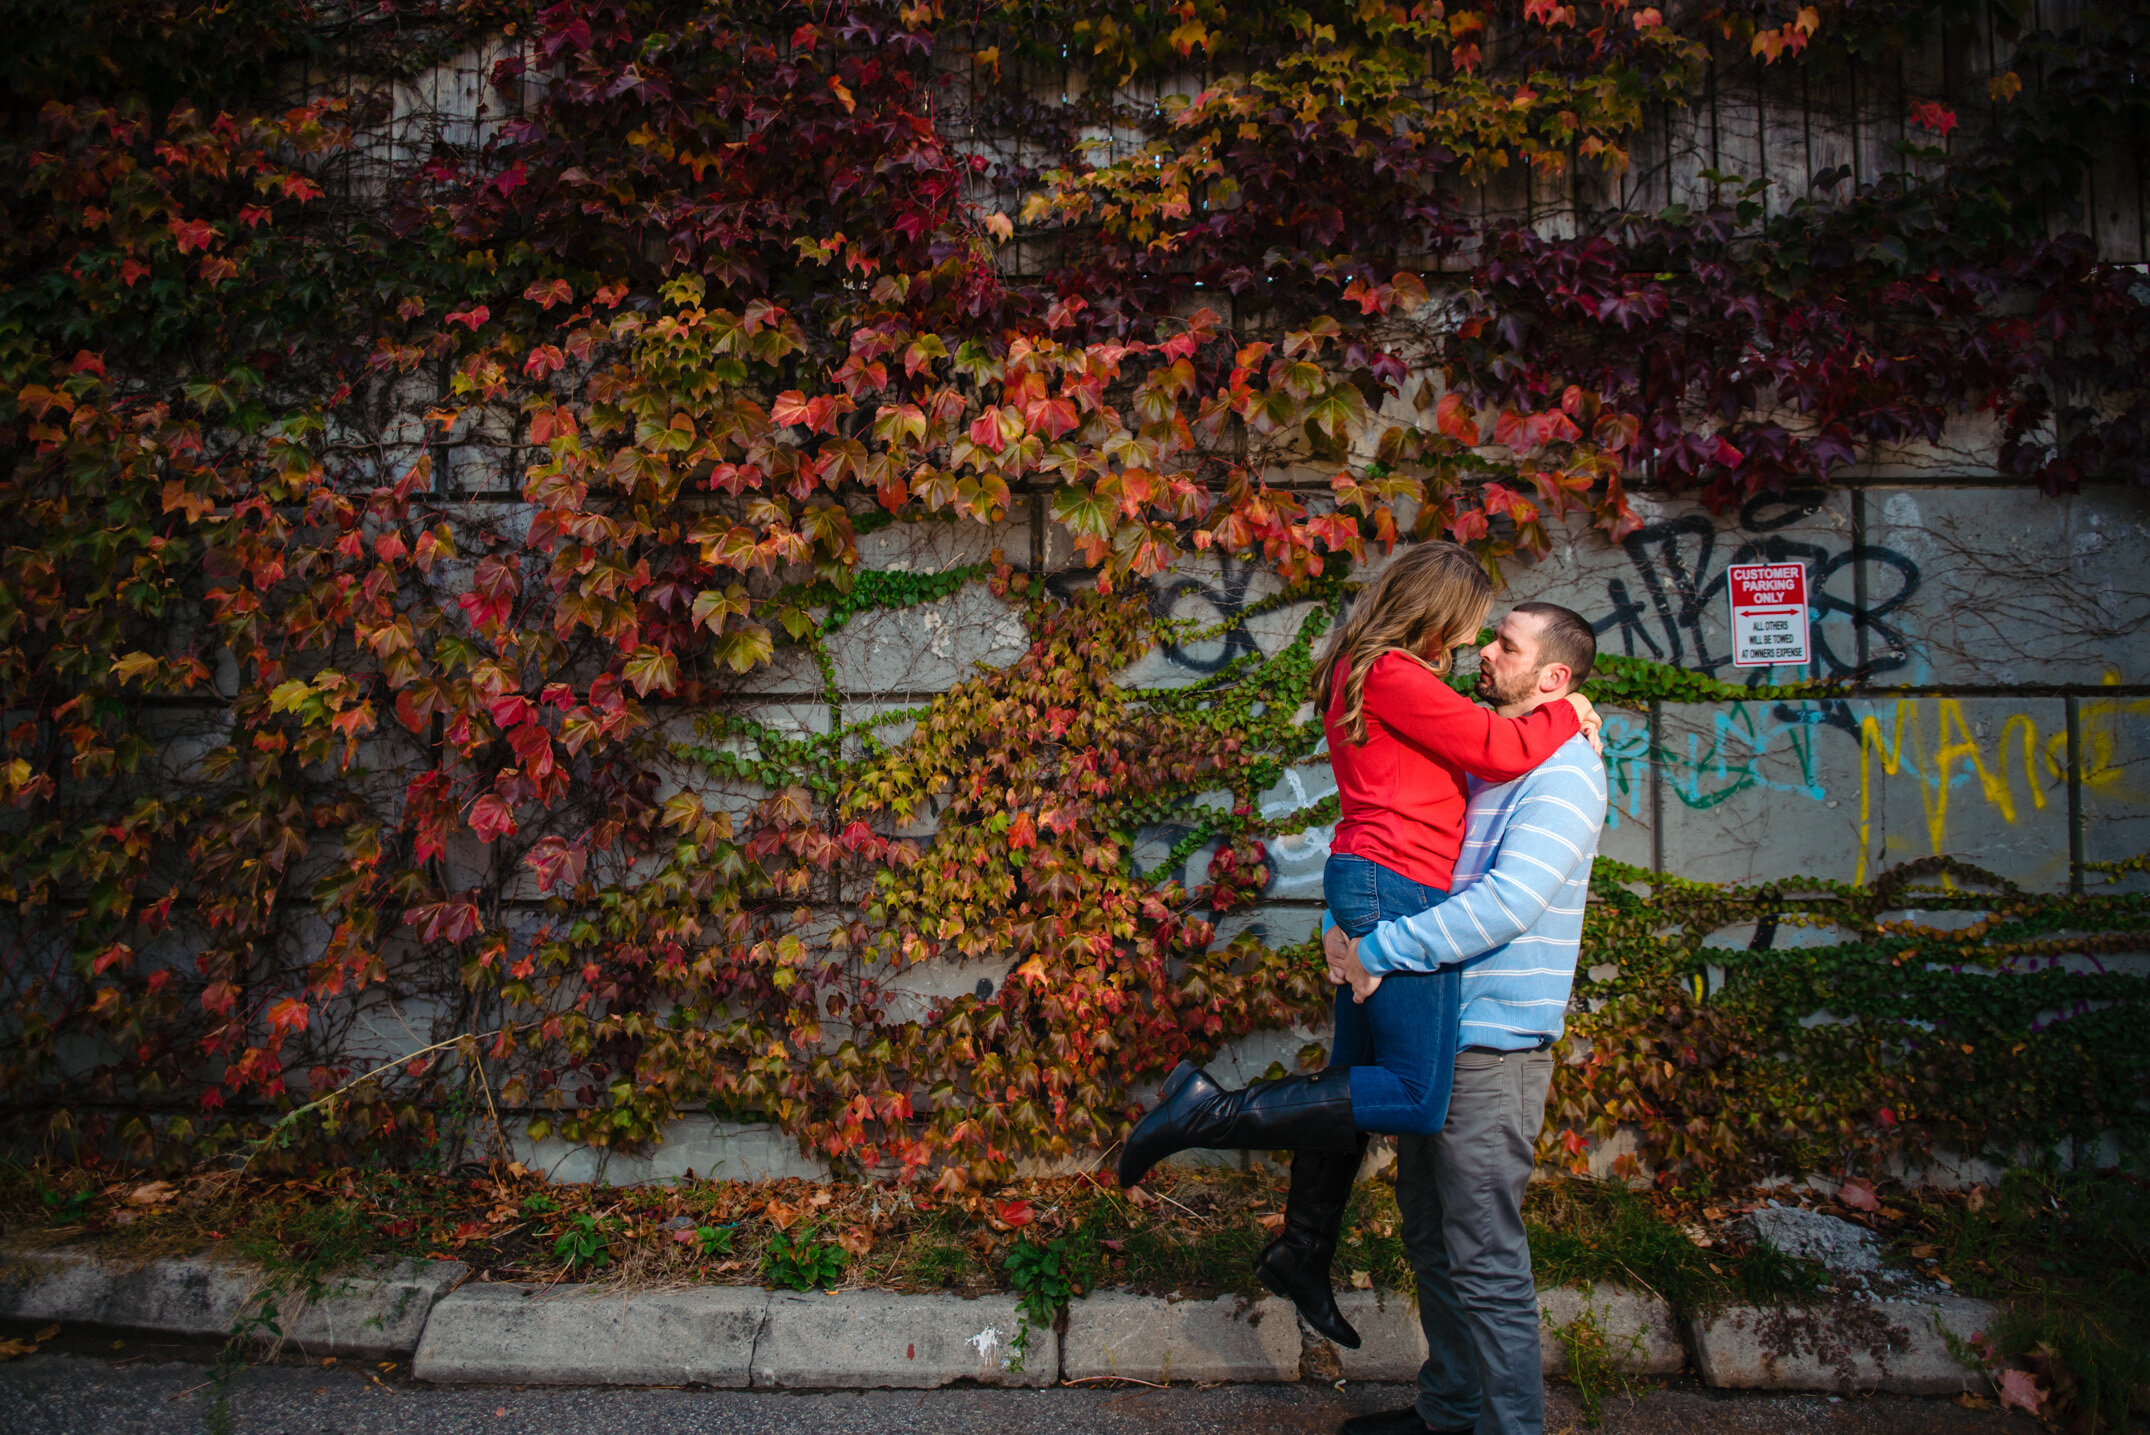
(1137,1337)
(729,1337)
(372,1314)
(1895,1346)
(1639,1330)
(1642,1336)
(867,1339)
(529,1335)
(741,1337)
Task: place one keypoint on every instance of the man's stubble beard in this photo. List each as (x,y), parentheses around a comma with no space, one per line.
(1489,691)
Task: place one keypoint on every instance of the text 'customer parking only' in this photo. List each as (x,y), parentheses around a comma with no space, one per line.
(1769,613)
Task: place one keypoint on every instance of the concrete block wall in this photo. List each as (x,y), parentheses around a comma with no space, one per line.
(1995,638)
(1996,634)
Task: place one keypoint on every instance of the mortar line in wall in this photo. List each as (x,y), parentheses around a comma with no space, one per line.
(1858,576)
(1657,788)
(2075,795)
(1848,483)
(817,905)
(926,695)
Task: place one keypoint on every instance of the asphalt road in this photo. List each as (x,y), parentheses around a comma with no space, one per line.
(107,1391)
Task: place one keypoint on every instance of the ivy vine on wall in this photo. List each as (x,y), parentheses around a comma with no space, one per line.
(386,522)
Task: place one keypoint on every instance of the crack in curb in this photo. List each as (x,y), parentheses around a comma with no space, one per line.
(761,1323)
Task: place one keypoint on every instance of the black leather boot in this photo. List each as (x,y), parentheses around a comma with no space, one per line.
(1311,1113)
(1296,1265)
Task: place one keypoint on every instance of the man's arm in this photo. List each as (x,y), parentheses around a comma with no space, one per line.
(1552,832)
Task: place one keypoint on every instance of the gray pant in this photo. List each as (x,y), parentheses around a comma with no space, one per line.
(1461,1195)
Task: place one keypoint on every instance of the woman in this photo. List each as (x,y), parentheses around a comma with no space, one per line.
(1401,742)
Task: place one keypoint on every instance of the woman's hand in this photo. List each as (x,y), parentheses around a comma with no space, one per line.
(1344,967)
(1336,947)
(1590,720)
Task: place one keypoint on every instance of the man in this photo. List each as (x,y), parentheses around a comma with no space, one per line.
(1515,918)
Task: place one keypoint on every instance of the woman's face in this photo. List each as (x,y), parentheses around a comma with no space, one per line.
(1441,646)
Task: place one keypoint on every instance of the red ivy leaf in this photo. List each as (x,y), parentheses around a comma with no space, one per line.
(491,818)
(557,863)
(449,921)
(193,234)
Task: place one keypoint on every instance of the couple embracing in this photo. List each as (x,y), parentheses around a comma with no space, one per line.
(1455,889)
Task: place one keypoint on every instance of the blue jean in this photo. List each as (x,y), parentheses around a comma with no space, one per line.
(1401,1043)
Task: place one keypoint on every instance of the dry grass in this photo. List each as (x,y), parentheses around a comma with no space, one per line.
(1193,1231)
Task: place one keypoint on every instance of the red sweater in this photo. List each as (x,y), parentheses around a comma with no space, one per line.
(1403,792)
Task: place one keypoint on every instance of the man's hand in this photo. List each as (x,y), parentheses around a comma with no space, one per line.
(1344,967)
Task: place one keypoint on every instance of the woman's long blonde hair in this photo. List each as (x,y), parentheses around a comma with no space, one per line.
(1430,599)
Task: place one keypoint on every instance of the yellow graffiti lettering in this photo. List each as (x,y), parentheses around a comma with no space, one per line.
(2098,720)
(1953,742)
(1892,758)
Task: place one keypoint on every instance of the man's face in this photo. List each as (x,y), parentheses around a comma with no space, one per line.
(1510,667)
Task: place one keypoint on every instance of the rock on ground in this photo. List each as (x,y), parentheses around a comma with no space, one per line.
(1844,1248)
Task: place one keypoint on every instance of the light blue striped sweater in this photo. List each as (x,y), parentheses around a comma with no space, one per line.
(1515,913)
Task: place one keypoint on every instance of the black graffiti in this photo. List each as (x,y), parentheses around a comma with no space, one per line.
(1682,590)
(1227,596)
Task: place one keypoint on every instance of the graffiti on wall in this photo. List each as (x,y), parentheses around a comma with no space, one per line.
(1674,611)
(1969,766)
(1978,766)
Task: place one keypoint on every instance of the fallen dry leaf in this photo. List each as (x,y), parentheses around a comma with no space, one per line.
(858,1240)
(1858,1193)
(154,1193)
(780,1215)
(1271,1220)
(1362,1280)
(1973,1402)
(2020,1390)
(11,1349)
(50,1332)
(1924,1253)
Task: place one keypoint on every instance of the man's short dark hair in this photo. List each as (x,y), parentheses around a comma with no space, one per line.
(1566,637)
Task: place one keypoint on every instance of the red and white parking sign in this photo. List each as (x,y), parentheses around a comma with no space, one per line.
(1769,614)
